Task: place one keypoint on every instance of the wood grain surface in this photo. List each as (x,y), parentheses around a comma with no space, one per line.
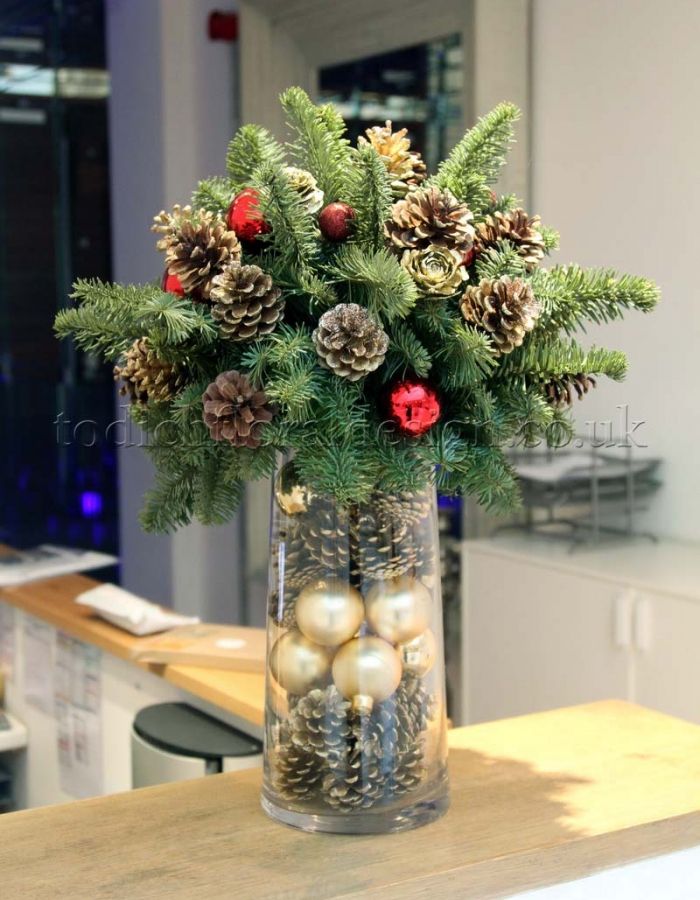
(53,600)
(535,800)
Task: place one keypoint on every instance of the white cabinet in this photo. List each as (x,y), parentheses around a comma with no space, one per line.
(544,628)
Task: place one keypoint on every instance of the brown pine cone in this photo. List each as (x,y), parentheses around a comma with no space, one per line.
(405,167)
(515,226)
(562,390)
(197,246)
(234,411)
(350,342)
(429,216)
(296,772)
(506,308)
(245,302)
(146,377)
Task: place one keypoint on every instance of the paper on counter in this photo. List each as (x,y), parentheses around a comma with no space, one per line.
(46,561)
(132,613)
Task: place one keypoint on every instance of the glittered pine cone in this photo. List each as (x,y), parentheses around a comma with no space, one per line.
(516,226)
(350,342)
(429,216)
(305,185)
(197,246)
(564,389)
(405,167)
(506,308)
(235,411)
(245,302)
(437,271)
(147,378)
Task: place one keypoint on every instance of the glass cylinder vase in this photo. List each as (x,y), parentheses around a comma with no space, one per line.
(355,726)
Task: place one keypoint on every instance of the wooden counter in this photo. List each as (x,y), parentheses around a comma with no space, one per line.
(53,600)
(535,800)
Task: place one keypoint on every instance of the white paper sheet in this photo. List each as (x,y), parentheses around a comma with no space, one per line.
(7,640)
(38,664)
(48,560)
(78,700)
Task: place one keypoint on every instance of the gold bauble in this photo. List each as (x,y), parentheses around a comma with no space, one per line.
(366,670)
(329,611)
(291,495)
(399,610)
(418,655)
(297,664)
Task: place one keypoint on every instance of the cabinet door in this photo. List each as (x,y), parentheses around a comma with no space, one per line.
(538,638)
(666,634)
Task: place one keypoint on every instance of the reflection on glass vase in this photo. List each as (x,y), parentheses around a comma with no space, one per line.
(355,730)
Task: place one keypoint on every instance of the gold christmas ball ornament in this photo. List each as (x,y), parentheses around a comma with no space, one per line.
(297,664)
(366,670)
(292,496)
(399,610)
(329,611)
(418,656)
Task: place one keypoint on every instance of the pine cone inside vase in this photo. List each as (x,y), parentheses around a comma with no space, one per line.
(564,389)
(235,411)
(197,246)
(147,378)
(305,185)
(506,308)
(320,722)
(325,532)
(245,302)
(430,216)
(405,167)
(515,226)
(296,772)
(350,342)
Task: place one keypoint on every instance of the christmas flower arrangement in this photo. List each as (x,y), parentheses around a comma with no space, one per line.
(392,329)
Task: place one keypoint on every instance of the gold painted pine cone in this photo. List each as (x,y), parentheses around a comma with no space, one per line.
(506,308)
(350,342)
(429,216)
(437,271)
(562,391)
(305,185)
(245,302)
(197,246)
(147,378)
(405,167)
(515,226)
(235,411)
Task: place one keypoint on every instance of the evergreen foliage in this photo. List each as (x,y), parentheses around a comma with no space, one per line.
(337,429)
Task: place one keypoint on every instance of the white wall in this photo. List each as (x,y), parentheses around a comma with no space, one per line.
(171,116)
(615,137)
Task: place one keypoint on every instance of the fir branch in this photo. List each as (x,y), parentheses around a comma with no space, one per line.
(571,296)
(555,358)
(389,291)
(294,233)
(406,354)
(214,195)
(550,239)
(253,147)
(320,146)
(467,356)
(167,319)
(215,498)
(477,159)
(368,191)
(243,464)
(501,259)
(169,504)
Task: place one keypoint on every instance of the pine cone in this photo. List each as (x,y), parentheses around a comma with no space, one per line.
(234,411)
(197,246)
(245,302)
(515,226)
(320,722)
(350,342)
(296,773)
(506,308)
(402,507)
(146,377)
(299,569)
(405,167)
(429,216)
(305,185)
(436,270)
(564,389)
(325,532)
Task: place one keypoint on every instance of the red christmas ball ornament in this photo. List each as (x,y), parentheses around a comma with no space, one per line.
(414,406)
(244,216)
(335,221)
(469,257)
(171,284)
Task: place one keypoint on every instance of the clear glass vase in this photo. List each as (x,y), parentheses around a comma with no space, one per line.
(355,727)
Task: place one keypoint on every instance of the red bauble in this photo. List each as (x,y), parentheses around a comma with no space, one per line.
(469,257)
(335,221)
(244,216)
(414,406)
(171,284)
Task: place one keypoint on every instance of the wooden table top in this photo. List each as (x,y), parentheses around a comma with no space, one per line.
(536,800)
(53,600)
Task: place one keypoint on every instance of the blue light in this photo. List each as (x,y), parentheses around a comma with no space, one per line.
(90,504)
